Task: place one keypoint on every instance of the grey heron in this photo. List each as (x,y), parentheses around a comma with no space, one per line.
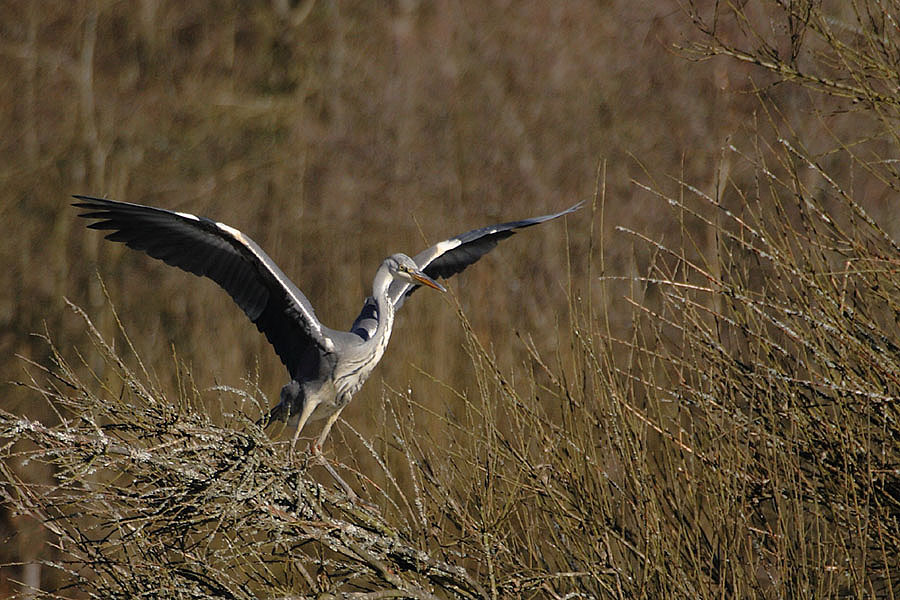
(326,366)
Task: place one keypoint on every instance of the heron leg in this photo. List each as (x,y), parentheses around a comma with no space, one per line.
(317,456)
(309,405)
(317,447)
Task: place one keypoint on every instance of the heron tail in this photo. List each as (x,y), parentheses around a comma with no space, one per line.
(289,404)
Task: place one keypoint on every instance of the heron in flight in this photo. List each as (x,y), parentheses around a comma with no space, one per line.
(326,366)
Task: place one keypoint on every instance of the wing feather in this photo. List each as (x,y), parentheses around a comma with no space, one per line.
(229,258)
(452,256)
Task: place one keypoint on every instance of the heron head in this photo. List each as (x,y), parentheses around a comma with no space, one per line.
(404,268)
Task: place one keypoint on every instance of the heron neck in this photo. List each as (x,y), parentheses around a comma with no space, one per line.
(385,307)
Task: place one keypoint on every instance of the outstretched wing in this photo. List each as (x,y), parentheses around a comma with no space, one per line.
(452,256)
(231,259)
(446,259)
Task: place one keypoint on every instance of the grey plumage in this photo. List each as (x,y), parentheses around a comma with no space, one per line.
(326,366)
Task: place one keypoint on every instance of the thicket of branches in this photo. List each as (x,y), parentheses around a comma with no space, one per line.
(742,441)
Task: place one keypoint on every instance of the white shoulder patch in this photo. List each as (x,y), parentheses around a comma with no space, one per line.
(188,216)
(446,246)
(231,231)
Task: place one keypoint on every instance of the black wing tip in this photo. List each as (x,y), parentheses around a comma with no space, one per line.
(83,201)
(93,203)
(103,208)
(573,208)
(515,226)
(565,212)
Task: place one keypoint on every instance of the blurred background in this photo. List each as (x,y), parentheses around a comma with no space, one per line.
(335,134)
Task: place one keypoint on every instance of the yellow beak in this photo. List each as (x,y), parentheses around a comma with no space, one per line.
(426,280)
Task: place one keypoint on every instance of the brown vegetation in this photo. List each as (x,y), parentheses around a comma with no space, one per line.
(689,391)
